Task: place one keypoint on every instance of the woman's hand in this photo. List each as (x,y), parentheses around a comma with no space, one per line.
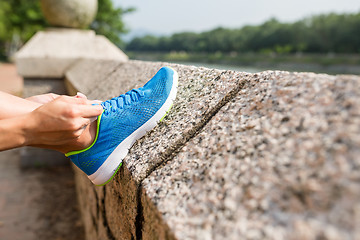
(60,121)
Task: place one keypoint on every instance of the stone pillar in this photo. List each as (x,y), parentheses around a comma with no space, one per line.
(69,13)
(51,52)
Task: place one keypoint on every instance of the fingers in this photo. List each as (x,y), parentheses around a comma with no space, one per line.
(80,95)
(96,102)
(77,107)
(78,100)
(46,98)
(73,100)
(90,111)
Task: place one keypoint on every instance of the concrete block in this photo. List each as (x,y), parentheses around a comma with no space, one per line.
(272,155)
(52,52)
(41,86)
(280,161)
(88,74)
(35,157)
(10,81)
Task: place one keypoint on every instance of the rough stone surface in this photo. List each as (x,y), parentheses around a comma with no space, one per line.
(109,212)
(272,155)
(280,161)
(153,225)
(201,93)
(51,53)
(88,74)
(69,13)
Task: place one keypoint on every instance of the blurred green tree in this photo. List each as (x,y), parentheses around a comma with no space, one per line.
(146,43)
(21,19)
(327,33)
(108,21)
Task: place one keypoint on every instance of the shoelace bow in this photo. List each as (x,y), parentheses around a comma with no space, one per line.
(124,99)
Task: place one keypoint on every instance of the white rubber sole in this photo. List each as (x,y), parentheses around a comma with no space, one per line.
(109,168)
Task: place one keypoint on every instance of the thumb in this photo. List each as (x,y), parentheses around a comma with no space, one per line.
(80,95)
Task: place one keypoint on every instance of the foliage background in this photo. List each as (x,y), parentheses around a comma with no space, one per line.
(335,33)
(21,19)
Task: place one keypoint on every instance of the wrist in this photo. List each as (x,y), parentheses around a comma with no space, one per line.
(12,133)
(20,129)
(25,126)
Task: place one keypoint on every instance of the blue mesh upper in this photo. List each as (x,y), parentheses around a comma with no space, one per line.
(116,126)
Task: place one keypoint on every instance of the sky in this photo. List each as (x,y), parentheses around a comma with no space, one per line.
(164,17)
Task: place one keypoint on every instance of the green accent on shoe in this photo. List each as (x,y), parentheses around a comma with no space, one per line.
(96,136)
(111,176)
(166,113)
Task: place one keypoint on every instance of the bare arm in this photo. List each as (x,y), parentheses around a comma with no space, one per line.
(58,123)
(12,106)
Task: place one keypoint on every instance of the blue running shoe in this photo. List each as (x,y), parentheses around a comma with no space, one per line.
(125,119)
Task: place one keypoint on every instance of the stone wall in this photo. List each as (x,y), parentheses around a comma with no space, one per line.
(272,155)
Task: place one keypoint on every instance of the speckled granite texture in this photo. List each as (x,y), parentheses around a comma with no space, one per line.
(273,155)
(280,161)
